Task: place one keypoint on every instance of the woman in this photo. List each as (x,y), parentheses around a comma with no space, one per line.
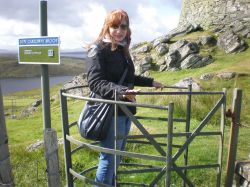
(107,60)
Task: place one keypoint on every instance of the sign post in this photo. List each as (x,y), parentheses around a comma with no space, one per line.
(44,50)
(51,153)
(45,69)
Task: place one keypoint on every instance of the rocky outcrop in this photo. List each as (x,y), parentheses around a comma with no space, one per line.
(78,81)
(187,81)
(231,42)
(30,110)
(181,54)
(215,13)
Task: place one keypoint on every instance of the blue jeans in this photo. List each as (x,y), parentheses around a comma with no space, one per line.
(106,166)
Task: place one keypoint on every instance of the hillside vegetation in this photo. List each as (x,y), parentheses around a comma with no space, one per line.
(23,131)
(9,67)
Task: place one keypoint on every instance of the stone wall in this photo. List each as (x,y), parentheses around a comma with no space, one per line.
(214,13)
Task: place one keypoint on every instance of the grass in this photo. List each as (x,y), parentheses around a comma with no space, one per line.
(30,169)
(10,67)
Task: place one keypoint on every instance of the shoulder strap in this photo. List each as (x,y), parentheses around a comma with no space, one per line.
(123,76)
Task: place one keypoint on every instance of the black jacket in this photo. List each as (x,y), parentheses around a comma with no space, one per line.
(105,69)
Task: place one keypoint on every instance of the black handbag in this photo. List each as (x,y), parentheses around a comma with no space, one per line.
(95,117)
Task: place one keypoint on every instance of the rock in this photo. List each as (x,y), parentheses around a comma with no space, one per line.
(134,46)
(144,49)
(207,76)
(204,62)
(28,111)
(245,33)
(163,67)
(186,81)
(237,26)
(35,146)
(242,169)
(226,75)
(143,65)
(184,29)
(207,40)
(160,61)
(190,61)
(36,103)
(80,80)
(189,48)
(39,143)
(177,45)
(173,60)
(231,42)
(161,49)
(161,40)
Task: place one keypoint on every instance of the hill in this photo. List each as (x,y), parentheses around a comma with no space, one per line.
(71,64)
(26,130)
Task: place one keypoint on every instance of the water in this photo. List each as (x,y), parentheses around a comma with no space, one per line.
(10,85)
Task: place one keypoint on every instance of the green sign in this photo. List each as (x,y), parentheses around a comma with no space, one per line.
(43,50)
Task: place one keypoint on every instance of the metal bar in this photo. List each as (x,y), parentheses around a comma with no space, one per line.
(72,124)
(140,165)
(115,143)
(132,184)
(143,130)
(45,69)
(169,142)
(236,108)
(167,168)
(86,86)
(45,96)
(172,93)
(221,140)
(115,102)
(140,170)
(188,116)
(76,149)
(177,134)
(198,129)
(83,178)
(182,175)
(67,149)
(199,166)
(158,177)
(118,152)
(160,119)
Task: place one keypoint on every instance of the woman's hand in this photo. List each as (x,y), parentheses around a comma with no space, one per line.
(158,85)
(132,96)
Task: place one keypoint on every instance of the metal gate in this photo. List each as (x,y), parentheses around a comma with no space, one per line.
(166,156)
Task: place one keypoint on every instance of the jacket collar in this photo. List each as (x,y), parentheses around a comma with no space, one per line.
(122,43)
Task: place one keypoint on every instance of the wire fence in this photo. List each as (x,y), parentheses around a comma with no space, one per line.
(15,107)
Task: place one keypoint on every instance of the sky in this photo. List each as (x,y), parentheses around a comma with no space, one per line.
(79,21)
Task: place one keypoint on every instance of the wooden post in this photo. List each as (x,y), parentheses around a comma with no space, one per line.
(235,115)
(51,155)
(6,176)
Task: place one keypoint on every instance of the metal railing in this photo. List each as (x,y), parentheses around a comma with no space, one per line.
(166,156)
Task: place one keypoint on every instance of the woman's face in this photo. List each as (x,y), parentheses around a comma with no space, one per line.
(119,32)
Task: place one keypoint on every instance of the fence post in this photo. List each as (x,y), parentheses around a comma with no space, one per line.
(221,139)
(232,150)
(6,176)
(188,117)
(169,144)
(67,148)
(51,156)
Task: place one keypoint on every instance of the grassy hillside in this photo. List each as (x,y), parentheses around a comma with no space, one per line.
(24,131)
(9,67)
